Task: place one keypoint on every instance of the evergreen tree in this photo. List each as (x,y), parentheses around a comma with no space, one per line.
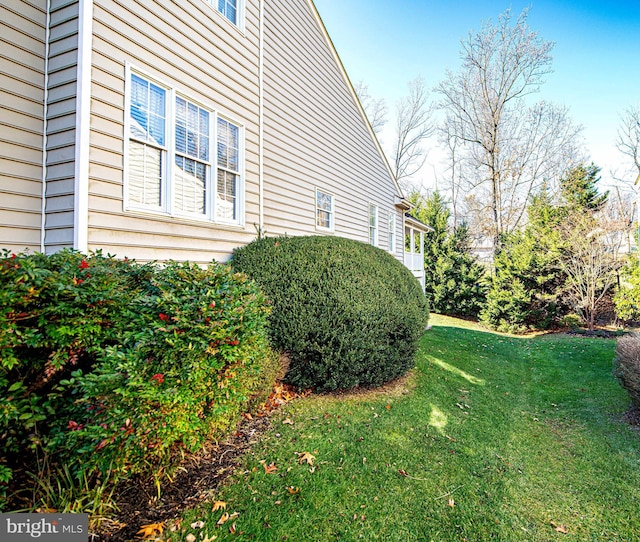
(455,282)
(579,191)
(526,287)
(558,263)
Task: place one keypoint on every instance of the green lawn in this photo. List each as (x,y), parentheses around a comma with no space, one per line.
(492,437)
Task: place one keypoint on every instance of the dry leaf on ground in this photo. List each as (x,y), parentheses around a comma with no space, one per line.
(223,519)
(219,505)
(151,530)
(270,469)
(451,502)
(306,457)
(559,528)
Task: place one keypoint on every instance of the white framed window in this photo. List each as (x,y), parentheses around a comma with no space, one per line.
(392,232)
(147,143)
(232,10)
(373,224)
(192,172)
(183,159)
(325,211)
(228,171)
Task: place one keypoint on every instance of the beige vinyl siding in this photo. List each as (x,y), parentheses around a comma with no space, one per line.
(22,60)
(61,124)
(315,135)
(190,47)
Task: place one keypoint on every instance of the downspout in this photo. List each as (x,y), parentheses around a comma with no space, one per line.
(261,124)
(83,114)
(45,114)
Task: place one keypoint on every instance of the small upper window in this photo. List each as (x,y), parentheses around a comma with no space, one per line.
(373,224)
(229,8)
(392,232)
(324,211)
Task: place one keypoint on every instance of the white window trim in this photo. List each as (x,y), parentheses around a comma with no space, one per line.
(392,232)
(166,187)
(332,218)
(373,212)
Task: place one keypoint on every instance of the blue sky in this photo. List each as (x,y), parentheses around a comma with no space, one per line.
(596,58)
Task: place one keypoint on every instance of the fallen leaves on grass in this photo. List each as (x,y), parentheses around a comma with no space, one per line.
(404,473)
(306,457)
(287,421)
(451,502)
(293,490)
(282,394)
(197,524)
(559,528)
(270,469)
(151,530)
(219,505)
(226,517)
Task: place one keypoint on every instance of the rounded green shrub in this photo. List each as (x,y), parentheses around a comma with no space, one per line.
(347,314)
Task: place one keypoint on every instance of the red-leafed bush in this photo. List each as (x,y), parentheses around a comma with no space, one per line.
(109,367)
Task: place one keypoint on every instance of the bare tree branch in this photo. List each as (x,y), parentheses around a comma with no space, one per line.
(413,126)
(510,148)
(376,110)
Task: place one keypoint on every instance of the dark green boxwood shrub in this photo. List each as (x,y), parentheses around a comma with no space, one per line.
(348,314)
(110,367)
(627,365)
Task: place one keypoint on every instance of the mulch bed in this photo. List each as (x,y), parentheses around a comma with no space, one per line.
(197,479)
(201,474)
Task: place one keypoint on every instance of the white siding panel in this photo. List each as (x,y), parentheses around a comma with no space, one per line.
(21,236)
(22,37)
(315,134)
(61,122)
(27,173)
(188,46)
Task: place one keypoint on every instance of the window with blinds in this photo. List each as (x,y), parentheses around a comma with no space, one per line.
(194,173)
(147,142)
(228,170)
(325,216)
(229,8)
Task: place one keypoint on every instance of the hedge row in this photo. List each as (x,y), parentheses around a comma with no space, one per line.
(110,367)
